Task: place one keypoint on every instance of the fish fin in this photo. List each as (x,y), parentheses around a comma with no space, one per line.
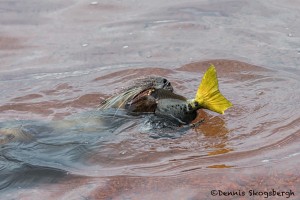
(208,95)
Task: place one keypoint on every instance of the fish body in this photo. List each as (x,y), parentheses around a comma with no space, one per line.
(178,111)
(173,106)
(149,100)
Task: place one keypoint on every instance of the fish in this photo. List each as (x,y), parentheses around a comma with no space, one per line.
(182,110)
(159,98)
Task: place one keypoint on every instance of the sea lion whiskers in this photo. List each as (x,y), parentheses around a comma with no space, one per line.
(123,97)
(129,94)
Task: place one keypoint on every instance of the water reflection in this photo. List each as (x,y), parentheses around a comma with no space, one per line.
(220,166)
(216,134)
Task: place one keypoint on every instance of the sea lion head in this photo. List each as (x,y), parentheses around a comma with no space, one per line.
(137,94)
(153,82)
(143,101)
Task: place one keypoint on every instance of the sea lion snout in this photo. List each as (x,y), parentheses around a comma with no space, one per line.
(161,83)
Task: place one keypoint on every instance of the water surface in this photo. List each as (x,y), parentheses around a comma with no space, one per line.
(59,60)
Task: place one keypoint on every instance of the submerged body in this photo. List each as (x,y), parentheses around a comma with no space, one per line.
(163,102)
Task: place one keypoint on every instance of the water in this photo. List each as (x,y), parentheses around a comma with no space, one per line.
(59,60)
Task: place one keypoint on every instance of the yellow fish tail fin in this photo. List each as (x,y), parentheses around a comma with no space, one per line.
(208,95)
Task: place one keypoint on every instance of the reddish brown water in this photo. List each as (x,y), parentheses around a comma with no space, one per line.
(59,59)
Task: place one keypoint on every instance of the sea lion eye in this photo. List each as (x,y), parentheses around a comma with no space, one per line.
(166,82)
